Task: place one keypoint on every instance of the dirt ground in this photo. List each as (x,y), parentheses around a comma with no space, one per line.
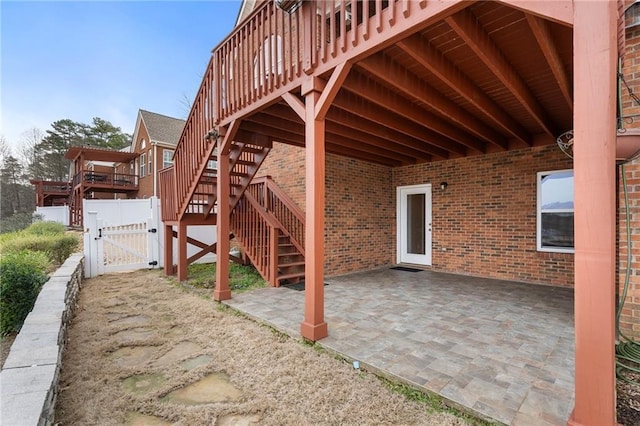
(144,351)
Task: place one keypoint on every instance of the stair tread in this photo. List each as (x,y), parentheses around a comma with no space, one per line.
(286,265)
(291,275)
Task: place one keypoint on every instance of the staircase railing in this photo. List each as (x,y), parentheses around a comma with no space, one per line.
(194,148)
(258,234)
(166,180)
(273,199)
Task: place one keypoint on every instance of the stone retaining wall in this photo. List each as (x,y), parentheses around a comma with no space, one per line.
(29,378)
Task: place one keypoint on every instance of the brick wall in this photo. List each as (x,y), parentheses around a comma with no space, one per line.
(484,222)
(485,219)
(145,183)
(359,206)
(630,316)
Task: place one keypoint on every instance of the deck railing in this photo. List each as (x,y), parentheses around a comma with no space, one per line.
(274,200)
(107,179)
(258,234)
(195,147)
(271,49)
(167,185)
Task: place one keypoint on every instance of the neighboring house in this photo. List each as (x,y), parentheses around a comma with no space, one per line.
(128,173)
(154,140)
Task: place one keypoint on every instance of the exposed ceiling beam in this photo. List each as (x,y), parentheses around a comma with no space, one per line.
(433,60)
(465,24)
(543,35)
(333,138)
(397,151)
(377,94)
(346,118)
(295,139)
(413,87)
(365,109)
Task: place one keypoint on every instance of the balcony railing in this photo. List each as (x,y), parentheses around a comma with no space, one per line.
(107,179)
(271,49)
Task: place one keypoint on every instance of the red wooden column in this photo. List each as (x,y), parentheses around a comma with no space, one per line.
(222,291)
(314,327)
(168,250)
(595,59)
(182,251)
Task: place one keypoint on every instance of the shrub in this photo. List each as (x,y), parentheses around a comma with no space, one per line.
(22,275)
(44,228)
(57,246)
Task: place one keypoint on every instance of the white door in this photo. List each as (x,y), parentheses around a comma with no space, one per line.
(414,224)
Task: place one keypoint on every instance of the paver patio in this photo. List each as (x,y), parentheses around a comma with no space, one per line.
(502,349)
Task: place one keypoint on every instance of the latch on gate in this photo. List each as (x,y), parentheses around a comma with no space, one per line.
(152,230)
(153,263)
(99,234)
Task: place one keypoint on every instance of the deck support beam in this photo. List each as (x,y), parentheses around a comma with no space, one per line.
(222,291)
(168,250)
(595,59)
(182,251)
(314,327)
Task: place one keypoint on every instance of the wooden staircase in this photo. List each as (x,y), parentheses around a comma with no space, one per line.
(270,228)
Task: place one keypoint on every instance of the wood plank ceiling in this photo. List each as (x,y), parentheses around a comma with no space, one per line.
(486,79)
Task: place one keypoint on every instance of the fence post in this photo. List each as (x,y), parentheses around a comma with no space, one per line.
(99,247)
(91,245)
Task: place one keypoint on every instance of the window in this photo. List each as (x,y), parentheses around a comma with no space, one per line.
(149,156)
(143,144)
(555,211)
(143,163)
(167,158)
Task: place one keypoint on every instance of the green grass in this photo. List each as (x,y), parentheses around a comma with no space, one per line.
(241,277)
(433,402)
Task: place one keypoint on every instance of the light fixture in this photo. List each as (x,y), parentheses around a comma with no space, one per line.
(288,6)
(443,185)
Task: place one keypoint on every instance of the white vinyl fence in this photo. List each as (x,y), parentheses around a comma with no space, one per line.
(125,235)
(58,214)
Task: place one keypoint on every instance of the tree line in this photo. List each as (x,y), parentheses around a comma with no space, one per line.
(40,155)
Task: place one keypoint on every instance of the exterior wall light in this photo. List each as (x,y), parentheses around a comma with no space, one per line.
(443,185)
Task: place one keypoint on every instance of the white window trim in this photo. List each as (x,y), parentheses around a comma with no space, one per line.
(143,165)
(539,212)
(167,163)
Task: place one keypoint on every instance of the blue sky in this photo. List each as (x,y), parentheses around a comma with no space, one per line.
(107,59)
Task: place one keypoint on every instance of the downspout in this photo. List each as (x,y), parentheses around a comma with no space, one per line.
(155,169)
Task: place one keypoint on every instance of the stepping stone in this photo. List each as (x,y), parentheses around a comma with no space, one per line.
(239,420)
(133,334)
(190,364)
(137,419)
(142,384)
(131,321)
(133,356)
(179,352)
(212,388)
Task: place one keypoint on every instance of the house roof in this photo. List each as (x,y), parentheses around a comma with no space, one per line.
(162,128)
(99,154)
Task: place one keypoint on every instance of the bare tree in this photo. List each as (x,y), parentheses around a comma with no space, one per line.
(28,152)
(185,103)
(5,149)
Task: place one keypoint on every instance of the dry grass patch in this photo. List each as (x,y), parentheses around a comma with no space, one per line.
(281,381)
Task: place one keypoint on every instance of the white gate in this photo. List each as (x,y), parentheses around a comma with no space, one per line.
(112,248)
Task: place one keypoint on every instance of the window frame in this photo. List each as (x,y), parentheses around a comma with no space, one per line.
(143,164)
(167,163)
(540,211)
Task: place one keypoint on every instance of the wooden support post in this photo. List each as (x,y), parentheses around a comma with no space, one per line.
(182,251)
(594,67)
(314,327)
(168,250)
(222,291)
